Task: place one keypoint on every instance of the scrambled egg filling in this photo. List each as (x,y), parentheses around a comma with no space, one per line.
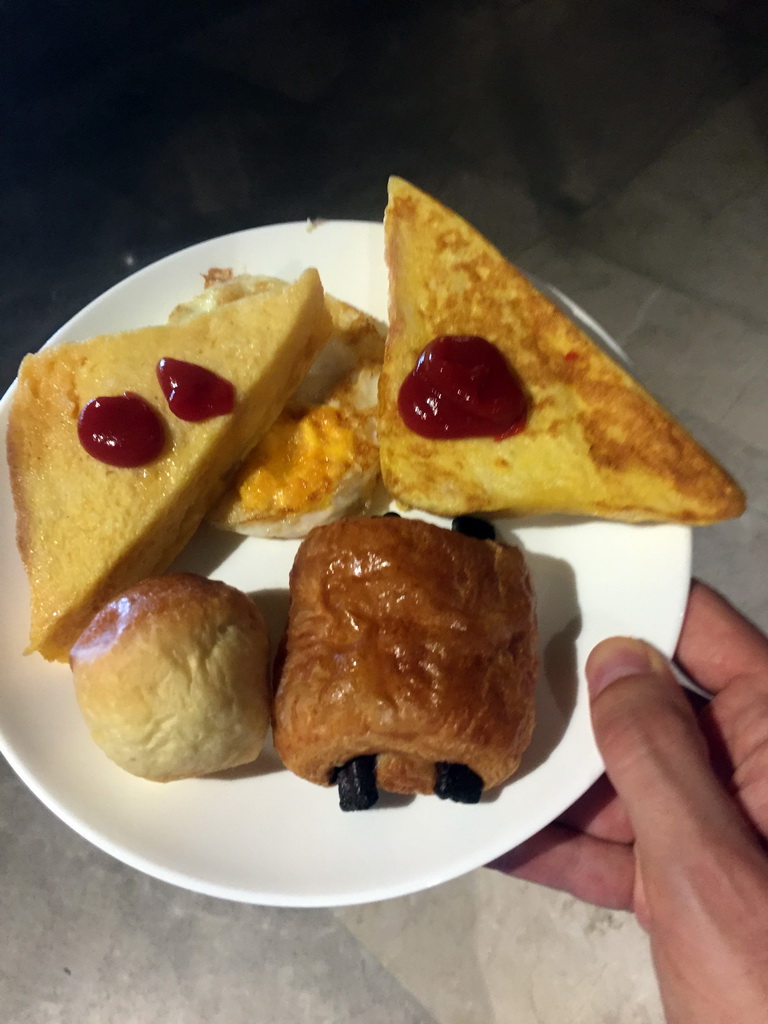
(299,463)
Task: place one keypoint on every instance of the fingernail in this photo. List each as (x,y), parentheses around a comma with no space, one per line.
(615,659)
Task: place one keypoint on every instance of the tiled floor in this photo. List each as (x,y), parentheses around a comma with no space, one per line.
(244,117)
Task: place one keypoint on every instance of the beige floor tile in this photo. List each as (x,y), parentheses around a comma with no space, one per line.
(747,415)
(733,556)
(498,204)
(701,360)
(486,949)
(613,295)
(727,261)
(697,218)
(717,162)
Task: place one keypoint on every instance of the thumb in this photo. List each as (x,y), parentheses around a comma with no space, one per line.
(655,755)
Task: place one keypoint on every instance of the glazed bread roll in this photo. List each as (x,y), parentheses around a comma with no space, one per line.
(172,678)
(409,662)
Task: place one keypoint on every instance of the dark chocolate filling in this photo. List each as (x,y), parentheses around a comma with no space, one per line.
(457,782)
(356,781)
(473,526)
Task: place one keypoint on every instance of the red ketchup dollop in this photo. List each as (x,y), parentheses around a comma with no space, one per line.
(121,430)
(194,393)
(462,386)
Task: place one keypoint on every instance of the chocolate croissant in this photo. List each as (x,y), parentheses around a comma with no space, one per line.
(409,661)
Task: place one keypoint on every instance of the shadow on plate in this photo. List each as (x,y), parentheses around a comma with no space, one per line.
(509,524)
(274,606)
(267,763)
(208,549)
(559,618)
(393,801)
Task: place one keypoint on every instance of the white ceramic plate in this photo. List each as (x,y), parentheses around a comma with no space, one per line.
(261,835)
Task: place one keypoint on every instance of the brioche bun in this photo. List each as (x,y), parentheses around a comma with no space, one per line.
(172,678)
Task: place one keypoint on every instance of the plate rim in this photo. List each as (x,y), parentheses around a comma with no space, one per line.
(181,879)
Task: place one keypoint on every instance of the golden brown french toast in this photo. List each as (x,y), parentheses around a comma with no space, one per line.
(320,459)
(594,441)
(87,530)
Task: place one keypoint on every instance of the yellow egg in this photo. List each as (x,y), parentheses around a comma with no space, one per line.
(301,462)
(320,459)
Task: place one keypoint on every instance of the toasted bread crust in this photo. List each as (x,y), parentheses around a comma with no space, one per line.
(85,530)
(596,442)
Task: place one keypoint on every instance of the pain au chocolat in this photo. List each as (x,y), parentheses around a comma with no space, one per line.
(87,530)
(409,663)
(594,442)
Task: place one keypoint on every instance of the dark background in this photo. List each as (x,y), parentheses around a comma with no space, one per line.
(130,130)
(616,148)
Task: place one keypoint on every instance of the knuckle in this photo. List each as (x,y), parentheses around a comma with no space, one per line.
(740,715)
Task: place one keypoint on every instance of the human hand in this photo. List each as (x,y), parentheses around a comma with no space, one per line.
(679,833)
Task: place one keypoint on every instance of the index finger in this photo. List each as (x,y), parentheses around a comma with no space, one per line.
(717,644)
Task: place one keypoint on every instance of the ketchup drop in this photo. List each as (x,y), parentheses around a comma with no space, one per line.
(462,386)
(194,393)
(121,430)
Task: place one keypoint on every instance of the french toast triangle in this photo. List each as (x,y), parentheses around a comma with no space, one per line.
(87,530)
(595,442)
